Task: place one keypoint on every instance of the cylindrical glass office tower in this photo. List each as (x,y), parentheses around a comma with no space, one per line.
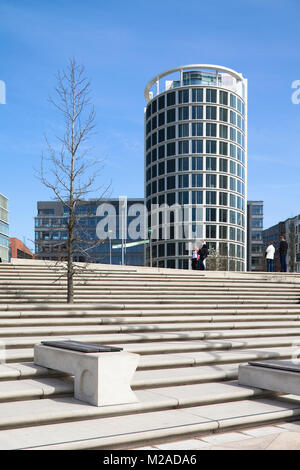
(195,166)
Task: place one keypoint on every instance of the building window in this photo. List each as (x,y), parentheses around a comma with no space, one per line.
(232,167)
(232,184)
(183,197)
(223,232)
(161,184)
(183,96)
(211,112)
(233,118)
(170,199)
(161,119)
(223,199)
(183,130)
(257,223)
(161,135)
(183,181)
(223,114)
(171,115)
(211,181)
(154,106)
(183,146)
(197,95)
(211,146)
(171,166)
(211,197)
(211,215)
(233,101)
(232,151)
(161,102)
(197,146)
(256,209)
(197,163)
(161,151)
(223,165)
(197,180)
(223,215)
(183,164)
(170,132)
(171,99)
(197,197)
(197,129)
(197,112)
(211,231)
(211,163)
(183,113)
(223,131)
(211,130)
(211,95)
(223,97)
(171,182)
(232,200)
(170,249)
(171,149)
(223,148)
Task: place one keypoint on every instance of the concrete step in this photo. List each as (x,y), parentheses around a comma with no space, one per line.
(163,315)
(104,433)
(136,320)
(85,293)
(17,348)
(183,328)
(136,287)
(46,411)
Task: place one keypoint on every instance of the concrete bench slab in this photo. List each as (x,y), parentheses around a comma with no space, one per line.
(100,378)
(273,375)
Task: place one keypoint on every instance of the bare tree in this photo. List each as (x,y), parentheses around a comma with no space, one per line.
(67,170)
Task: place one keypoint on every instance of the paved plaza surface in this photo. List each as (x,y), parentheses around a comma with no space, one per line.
(284,436)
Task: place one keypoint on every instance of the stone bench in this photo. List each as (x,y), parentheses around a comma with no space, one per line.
(102,374)
(277,376)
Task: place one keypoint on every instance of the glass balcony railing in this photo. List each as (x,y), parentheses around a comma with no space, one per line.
(198,78)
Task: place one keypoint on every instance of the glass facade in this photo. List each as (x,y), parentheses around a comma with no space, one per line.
(201,167)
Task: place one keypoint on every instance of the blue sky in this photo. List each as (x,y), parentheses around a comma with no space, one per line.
(122,46)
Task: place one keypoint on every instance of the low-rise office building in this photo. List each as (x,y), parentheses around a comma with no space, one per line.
(290,230)
(255,244)
(109,231)
(18,249)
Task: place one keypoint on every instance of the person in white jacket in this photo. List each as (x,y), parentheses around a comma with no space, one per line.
(270,252)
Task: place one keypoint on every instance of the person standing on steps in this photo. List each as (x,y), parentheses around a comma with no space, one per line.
(195,257)
(203,253)
(283,248)
(270,252)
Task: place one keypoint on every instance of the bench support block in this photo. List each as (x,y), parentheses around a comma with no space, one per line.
(100,379)
(275,380)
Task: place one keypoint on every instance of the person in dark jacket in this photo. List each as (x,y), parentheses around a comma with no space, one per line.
(283,248)
(203,252)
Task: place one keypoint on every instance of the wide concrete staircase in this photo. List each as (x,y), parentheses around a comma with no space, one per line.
(191,329)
